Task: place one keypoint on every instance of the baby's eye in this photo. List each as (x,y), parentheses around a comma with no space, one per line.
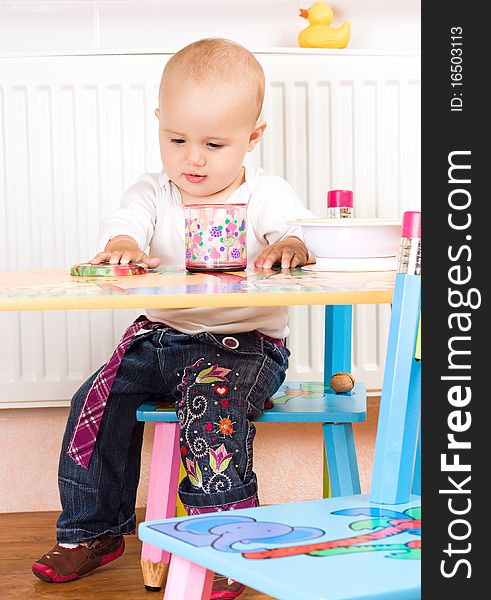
(177,141)
(214,146)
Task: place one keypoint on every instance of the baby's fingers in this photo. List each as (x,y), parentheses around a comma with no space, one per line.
(286,259)
(99,258)
(115,258)
(268,258)
(126,257)
(298,260)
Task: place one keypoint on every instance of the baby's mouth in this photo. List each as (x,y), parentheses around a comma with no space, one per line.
(194,177)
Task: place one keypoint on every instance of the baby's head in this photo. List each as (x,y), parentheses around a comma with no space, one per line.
(211,95)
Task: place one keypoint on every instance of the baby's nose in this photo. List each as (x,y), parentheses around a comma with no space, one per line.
(196,158)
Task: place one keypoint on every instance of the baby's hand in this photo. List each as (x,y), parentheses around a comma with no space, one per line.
(289,253)
(123,250)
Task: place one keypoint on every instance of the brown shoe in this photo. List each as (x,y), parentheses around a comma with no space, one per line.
(65,564)
(225,588)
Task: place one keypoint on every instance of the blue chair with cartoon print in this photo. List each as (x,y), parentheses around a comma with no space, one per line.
(357,546)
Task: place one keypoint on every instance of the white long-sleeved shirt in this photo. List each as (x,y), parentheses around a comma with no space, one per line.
(151,212)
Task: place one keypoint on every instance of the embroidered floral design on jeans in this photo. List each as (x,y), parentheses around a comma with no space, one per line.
(219,462)
(220,459)
(225,426)
(194,473)
(192,407)
(212,374)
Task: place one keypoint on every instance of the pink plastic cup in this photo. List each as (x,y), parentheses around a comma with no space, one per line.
(216,237)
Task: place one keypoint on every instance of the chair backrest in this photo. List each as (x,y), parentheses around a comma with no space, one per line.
(397,433)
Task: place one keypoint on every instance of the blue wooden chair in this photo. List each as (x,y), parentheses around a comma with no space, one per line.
(295,402)
(360,546)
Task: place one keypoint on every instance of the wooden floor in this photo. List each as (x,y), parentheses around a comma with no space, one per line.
(24,537)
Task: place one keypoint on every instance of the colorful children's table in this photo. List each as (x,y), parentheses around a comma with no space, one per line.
(174,288)
(171,288)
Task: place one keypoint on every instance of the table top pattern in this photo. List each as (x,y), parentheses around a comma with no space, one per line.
(177,288)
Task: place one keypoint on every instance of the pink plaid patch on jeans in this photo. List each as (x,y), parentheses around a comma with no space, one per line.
(84,435)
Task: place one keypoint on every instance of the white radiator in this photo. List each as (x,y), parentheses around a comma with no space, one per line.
(75,131)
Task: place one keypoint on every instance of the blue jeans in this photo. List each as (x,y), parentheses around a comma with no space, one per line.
(218,389)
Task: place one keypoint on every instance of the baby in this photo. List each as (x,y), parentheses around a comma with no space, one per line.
(210,101)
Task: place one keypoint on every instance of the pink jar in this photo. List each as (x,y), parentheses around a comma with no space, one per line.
(216,237)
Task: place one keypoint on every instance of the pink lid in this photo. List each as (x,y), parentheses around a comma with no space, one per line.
(339,198)
(411,224)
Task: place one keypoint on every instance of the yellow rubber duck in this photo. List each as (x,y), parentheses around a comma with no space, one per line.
(318,34)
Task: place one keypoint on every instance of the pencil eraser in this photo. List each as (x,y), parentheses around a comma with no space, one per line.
(411,224)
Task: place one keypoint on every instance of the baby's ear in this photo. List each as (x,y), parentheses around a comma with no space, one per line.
(157,113)
(256,135)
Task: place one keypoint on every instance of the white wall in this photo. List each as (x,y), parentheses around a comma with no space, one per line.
(86,26)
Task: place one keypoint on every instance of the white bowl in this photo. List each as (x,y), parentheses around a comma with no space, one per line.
(351,238)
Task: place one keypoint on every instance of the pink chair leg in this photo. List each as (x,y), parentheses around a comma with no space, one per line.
(187,581)
(162,494)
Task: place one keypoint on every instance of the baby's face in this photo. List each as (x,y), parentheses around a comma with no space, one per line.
(204,134)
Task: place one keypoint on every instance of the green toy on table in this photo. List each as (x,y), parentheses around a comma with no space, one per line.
(108,270)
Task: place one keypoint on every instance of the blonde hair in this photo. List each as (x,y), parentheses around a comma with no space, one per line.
(218,59)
